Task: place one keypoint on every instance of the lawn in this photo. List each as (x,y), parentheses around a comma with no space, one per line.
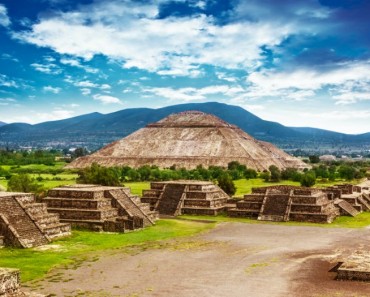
(84,245)
(137,187)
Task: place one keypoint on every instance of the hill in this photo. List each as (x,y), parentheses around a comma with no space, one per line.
(2,123)
(95,130)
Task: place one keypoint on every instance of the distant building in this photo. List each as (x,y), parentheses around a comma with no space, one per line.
(327,158)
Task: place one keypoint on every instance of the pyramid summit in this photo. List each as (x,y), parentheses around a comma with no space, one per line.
(186,140)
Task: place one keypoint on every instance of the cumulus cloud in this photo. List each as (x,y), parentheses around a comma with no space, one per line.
(4,19)
(7,101)
(128,31)
(347,82)
(76,63)
(194,94)
(49,68)
(105,99)
(55,90)
(5,81)
(56,114)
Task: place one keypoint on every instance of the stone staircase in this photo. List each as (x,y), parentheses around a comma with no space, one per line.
(24,230)
(275,208)
(99,208)
(185,197)
(131,206)
(286,203)
(170,200)
(346,208)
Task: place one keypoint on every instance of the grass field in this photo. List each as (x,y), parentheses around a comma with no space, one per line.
(84,246)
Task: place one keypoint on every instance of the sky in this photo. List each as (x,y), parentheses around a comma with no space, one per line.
(303,63)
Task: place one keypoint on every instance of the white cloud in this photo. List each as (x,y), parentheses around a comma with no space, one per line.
(347,83)
(86,84)
(54,115)
(7,101)
(76,63)
(85,91)
(105,99)
(193,94)
(4,19)
(5,81)
(47,68)
(338,115)
(128,32)
(55,90)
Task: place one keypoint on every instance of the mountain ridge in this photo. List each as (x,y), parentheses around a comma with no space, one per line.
(95,129)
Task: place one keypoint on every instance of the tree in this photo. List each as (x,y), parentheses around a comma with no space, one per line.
(275,173)
(225,182)
(308,179)
(24,183)
(99,175)
(314,159)
(265,176)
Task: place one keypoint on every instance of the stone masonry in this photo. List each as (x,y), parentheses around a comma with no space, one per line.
(25,223)
(185,197)
(100,208)
(286,203)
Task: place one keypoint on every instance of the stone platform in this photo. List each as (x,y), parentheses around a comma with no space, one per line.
(100,208)
(25,223)
(354,268)
(185,197)
(286,203)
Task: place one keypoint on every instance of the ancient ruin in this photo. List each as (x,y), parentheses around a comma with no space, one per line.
(286,203)
(356,267)
(186,140)
(100,208)
(355,196)
(25,223)
(9,282)
(185,197)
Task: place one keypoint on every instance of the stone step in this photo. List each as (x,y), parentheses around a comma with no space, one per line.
(85,214)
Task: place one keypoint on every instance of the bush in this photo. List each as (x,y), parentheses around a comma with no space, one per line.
(24,183)
(226,183)
(99,175)
(308,179)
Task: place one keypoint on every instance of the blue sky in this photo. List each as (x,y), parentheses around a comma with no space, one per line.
(298,62)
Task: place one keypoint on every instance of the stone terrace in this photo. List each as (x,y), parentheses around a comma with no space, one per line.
(25,223)
(286,203)
(356,267)
(95,207)
(185,197)
(356,196)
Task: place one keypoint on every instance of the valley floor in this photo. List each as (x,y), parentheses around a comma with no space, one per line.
(233,259)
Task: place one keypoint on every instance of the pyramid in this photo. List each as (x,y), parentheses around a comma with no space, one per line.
(186,140)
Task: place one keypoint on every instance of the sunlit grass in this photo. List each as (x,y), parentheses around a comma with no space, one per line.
(35,263)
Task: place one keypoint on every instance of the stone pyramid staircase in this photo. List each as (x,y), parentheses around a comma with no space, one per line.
(346,208)
(112,209)
(25,223)
(131,206)
(275,207)
(170,202)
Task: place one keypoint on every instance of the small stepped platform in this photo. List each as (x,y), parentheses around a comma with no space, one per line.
(346,208)
(286,203)
(354,268)
(99,208)
(25,223)
(173,198)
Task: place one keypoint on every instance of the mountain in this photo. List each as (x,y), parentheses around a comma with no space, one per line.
(2,123)
(95,129)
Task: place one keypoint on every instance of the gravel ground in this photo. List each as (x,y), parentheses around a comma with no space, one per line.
(234,259)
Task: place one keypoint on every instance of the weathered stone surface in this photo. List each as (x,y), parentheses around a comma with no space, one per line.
(9,282)
(25,223)
(286,203)
(185,197)
(187,140)
(356,267)
(96,207)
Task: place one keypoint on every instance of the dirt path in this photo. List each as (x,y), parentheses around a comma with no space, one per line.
(234,259)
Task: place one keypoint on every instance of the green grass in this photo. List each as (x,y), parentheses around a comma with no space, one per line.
(35,264)
(137,187)
(244,186)
(360,221)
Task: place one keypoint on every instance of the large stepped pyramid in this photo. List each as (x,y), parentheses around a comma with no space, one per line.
(25,223)
(185,197)
(286,203)
(97,207)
